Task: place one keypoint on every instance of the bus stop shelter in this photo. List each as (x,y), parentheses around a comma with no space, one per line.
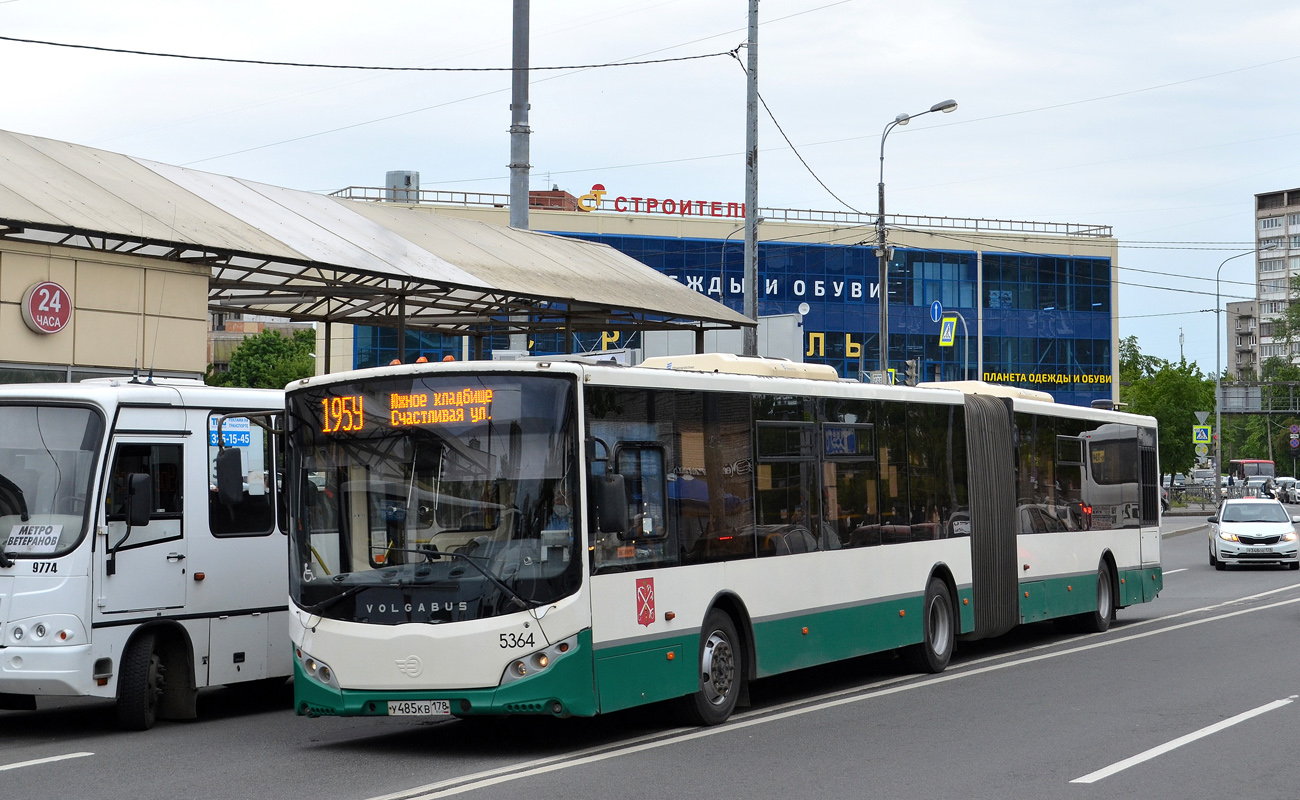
(310,257)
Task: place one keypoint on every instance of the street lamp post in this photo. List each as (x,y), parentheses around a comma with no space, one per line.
(882,253)
(1218,376)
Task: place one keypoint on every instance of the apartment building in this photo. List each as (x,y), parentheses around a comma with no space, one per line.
(1243,339)
(1277,262)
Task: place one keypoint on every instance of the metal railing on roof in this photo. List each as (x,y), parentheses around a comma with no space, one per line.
(813,216)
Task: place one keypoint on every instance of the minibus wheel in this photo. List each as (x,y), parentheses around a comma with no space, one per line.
(140,687)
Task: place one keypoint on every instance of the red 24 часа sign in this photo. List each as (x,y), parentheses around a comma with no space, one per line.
(47,307)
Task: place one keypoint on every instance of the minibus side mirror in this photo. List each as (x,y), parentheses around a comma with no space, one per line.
(139,499)
(230,476)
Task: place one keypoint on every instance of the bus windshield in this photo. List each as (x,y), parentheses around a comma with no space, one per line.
(47,463)
(435,498)
(1249,469)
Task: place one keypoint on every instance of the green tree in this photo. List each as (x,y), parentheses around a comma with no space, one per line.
(1172,393)
(1133,365)
(269,360)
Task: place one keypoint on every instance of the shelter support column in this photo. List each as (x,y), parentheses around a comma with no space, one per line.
(401,329)
(979,315)
(329,335)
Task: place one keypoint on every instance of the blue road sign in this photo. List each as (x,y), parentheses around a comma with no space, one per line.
(936,311)
(948,331)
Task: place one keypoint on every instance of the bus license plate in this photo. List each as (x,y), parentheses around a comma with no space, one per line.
(419,708)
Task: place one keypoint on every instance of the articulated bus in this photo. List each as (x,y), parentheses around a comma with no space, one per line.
(553,536)
(123,574)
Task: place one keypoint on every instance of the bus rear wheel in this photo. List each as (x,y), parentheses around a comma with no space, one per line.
(1099,621)
(939,630)
(140,688)
(721,670)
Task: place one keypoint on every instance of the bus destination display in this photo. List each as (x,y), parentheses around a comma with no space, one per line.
(346,413)
(439,408)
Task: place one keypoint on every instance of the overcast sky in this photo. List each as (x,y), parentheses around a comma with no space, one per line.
(1162,119)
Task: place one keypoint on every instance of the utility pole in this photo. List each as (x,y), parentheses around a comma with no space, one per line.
(751,183)
(519,131)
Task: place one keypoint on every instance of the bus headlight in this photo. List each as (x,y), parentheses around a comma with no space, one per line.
(316,669)
(534,663)
(48,630)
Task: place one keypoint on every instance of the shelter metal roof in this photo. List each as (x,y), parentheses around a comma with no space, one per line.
(308,256)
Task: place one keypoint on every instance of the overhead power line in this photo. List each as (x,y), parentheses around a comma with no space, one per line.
(377,68)
(793,149)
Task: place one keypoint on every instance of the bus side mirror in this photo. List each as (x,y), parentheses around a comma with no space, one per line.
(139,499)
(609,494)
(230,476)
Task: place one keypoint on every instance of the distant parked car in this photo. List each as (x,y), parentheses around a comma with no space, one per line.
(1253,531)
(1180,480)
(1203,477)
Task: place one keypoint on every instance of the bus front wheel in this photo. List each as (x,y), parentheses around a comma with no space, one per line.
(939,633)
(140,687)
(721,670)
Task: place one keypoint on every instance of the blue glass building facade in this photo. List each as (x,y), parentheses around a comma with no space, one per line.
(1046,318)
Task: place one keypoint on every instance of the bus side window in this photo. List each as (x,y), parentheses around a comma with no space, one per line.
(850,478)
(632,434)
(642,466)
(254,514)
(788,490)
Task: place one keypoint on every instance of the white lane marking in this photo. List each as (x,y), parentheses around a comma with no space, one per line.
(1147,755)
(1172,571)
(36,761)
(506,774)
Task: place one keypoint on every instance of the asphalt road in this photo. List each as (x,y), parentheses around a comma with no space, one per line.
(1186,697)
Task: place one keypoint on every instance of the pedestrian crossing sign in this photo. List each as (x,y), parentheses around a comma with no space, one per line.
(948,331)
(1200,434)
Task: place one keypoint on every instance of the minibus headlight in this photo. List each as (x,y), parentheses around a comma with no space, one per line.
(48,630)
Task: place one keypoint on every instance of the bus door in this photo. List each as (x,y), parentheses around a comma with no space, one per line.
(143,567)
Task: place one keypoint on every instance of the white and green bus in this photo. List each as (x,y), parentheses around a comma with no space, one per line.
(571,538)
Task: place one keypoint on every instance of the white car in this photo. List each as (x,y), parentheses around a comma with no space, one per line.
(1253,530)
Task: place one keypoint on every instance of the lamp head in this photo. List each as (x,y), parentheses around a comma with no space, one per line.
(946,106)
(902,119)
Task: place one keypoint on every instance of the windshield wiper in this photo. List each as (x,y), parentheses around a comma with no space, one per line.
(435,554)
(329,601)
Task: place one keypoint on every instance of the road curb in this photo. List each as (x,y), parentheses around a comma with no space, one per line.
(1192,529)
